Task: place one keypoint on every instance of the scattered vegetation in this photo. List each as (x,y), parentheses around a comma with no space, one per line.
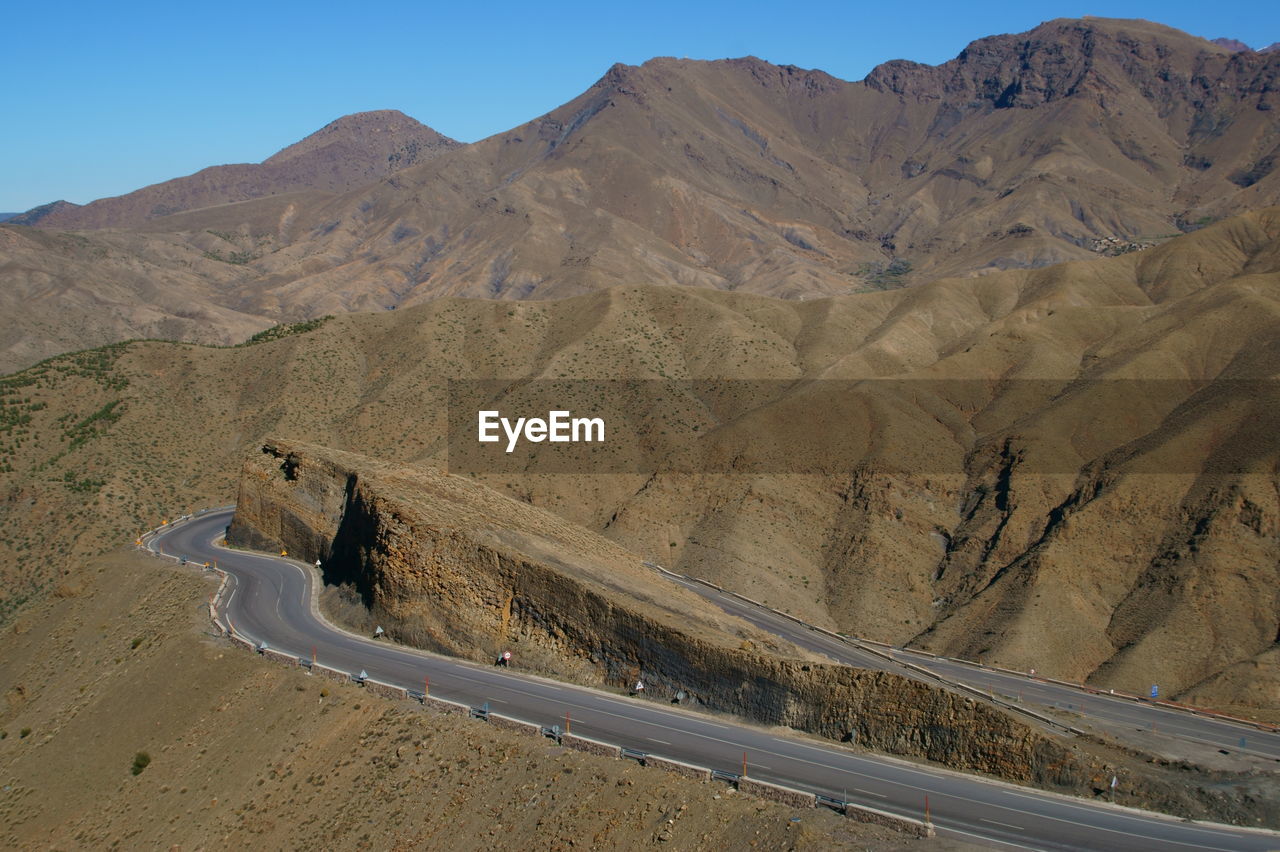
(237,258)
(886,276)
(82,486)
(286,330)
(1186,225)
(141,761)
(93,425)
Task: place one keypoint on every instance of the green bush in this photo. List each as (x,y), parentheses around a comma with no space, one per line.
(886,276)
(140,762)
(285,330)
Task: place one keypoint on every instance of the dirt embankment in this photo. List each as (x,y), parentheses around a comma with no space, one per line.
(445,564)
(248,755)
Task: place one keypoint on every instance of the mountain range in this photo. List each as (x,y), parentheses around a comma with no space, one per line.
(1094,492)
(1033,236)
(342,155)
(1078,138)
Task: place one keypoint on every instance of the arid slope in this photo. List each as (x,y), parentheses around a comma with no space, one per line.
(1070,525)
(253,755)
(1078,138)
(344,154)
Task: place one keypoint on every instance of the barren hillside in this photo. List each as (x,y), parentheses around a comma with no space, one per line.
(1097,497)
(259,756)
(1077,139)
(344,154)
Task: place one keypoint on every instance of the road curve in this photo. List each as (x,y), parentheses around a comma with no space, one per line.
(269,600)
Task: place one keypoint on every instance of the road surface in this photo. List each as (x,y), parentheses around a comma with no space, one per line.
(1116,716)
(269,600)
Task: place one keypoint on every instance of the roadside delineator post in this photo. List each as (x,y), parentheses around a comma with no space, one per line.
(744,764)
(426,687)
(566,721)
(928,819)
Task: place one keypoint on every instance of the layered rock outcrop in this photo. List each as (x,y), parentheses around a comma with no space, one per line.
(449,565)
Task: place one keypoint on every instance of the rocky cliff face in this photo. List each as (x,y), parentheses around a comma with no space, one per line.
(474,590)
(446,564)
(451,566)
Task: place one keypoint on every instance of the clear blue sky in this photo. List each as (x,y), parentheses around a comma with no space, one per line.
(101,98)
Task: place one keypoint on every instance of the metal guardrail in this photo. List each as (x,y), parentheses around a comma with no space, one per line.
(830,802)
(634,754)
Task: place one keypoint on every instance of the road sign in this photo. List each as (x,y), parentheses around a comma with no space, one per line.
(1155,690)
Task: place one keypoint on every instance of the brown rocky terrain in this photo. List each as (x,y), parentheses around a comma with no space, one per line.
(254,755)
(428,550)
(64,291)
(747,176)
(449,565)
(347,153)
(1077,138)
(1045,531)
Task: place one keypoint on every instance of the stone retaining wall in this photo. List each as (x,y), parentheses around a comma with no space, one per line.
(507,723)
(332,674)
(279,657)
(590,746)
(776,793)
(688,770)
(386,690)
(914,827)
(442,706)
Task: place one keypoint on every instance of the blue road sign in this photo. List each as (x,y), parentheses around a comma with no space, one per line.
(1155,691)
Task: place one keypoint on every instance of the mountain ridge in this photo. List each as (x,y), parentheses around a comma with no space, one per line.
(343,154)
(1076,139)
(1043,530)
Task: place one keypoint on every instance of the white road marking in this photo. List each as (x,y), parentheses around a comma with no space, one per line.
(869,793)
(841,754)
(997,822)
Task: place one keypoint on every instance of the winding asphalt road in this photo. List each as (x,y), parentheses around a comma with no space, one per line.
(1115,715)
(269,600)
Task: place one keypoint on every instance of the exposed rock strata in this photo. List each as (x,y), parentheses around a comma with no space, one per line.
(447,564)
